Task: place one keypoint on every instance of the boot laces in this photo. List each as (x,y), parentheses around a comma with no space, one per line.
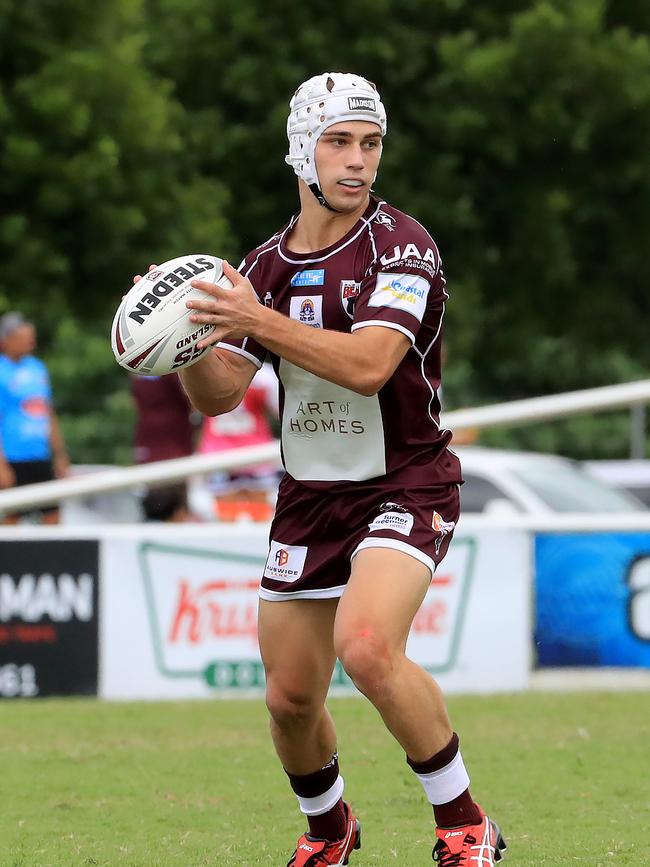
(446,858)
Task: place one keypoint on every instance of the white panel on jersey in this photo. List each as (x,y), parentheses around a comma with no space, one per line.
(329,433)
(401,292)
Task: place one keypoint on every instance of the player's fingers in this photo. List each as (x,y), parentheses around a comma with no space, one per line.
(213,338)
(208,288)
(232,273)
(209,317)
(202,305)
(139,276)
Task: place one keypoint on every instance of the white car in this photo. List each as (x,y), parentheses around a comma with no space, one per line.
(632,476)
(507,482)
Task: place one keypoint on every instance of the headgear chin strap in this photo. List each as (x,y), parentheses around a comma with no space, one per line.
(319,103)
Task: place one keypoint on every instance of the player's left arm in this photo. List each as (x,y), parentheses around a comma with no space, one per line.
(362,361)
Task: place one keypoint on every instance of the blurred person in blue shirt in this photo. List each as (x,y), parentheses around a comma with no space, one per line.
(31,446)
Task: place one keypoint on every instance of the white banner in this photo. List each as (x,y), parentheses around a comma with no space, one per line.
(179,609)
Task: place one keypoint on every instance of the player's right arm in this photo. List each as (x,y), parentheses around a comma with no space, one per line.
(218,382)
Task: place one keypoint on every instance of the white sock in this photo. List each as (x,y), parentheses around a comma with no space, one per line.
(446,784)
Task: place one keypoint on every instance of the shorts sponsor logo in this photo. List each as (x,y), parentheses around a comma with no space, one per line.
(307,309)
(399,522)
(309,278)
(361,103)
(406,292)
(444,528)
(285,562)
(349,293)
(385,220)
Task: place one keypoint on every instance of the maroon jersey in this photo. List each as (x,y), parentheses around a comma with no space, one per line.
(164,426)
(386,271)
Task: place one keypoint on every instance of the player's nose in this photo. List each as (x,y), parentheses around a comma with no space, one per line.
(355,157)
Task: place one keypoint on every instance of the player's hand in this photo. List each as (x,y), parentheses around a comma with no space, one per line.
(7,476)
(234,312)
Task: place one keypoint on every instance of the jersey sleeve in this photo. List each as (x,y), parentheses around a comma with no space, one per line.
(246,346)
(404,282)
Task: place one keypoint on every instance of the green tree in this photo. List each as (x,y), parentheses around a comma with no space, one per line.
(96,181)
(519,134)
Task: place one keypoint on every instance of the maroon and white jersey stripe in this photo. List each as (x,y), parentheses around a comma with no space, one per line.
(386,271)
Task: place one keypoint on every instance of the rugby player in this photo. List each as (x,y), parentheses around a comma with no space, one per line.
(347,301)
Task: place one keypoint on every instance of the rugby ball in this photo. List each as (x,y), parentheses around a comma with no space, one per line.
(152,334)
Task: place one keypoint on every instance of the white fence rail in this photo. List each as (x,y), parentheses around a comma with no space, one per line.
(514,412)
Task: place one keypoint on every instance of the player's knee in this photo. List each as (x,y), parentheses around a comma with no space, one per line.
(287,705)
(368,660)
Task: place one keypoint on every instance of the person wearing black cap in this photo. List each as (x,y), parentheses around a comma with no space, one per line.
(31,445)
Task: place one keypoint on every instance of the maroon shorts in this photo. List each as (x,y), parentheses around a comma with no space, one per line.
(315,534)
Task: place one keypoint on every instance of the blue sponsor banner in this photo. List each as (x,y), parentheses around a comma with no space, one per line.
(592,599)
(309,278)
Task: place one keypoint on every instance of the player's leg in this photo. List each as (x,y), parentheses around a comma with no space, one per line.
(297,650)
(298,654)
(385,590)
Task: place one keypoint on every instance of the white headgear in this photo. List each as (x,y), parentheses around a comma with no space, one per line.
(319,103)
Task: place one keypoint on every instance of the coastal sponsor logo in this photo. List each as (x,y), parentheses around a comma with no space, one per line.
(309,278)
(399,522)
(307,309)
(442,527)
(361,103)
(349,293)
(285,562)
(401,292)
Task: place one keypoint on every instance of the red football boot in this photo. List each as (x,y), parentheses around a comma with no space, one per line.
(479,845)
(312,852)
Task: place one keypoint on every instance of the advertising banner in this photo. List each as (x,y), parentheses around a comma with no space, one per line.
(48,618)
(179,614)
(593,599)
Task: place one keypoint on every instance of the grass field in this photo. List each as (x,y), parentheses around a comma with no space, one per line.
(184,784)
